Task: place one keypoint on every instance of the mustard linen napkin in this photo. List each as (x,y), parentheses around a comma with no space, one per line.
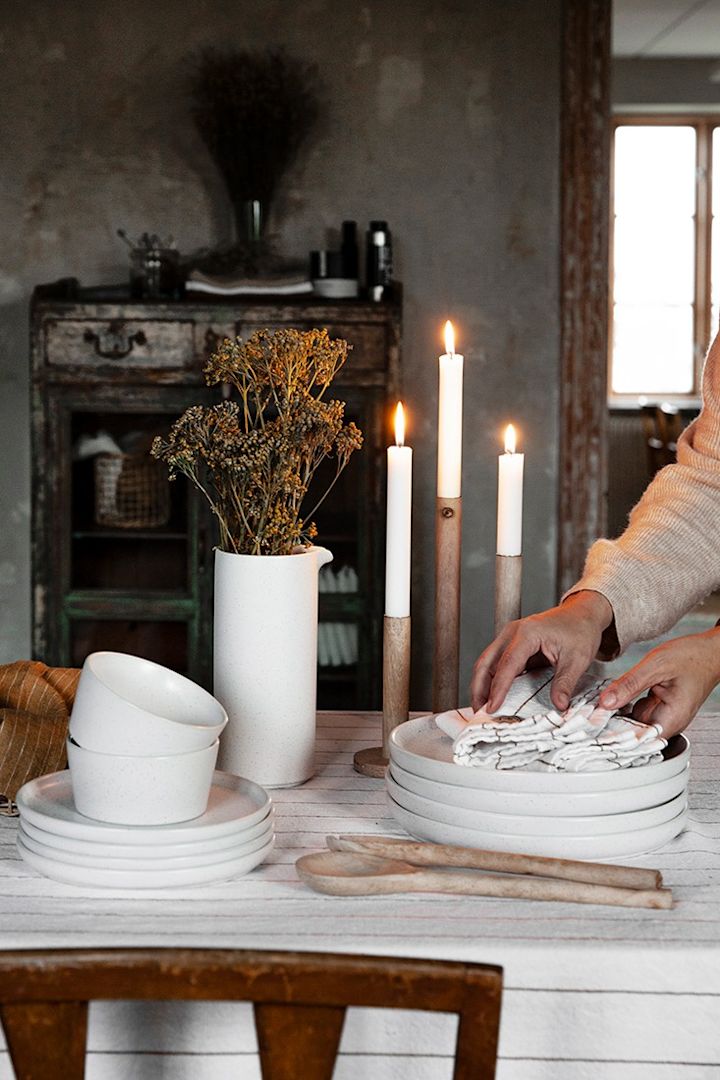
(35,704)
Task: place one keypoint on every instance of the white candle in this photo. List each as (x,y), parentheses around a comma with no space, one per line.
(399,510)
(450,407)
(510,497)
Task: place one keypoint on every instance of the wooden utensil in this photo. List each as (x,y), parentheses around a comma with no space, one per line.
(341,873)
(422,853)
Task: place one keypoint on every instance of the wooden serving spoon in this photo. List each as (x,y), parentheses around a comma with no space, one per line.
(341,873)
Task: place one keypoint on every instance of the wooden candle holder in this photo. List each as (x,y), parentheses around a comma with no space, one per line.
(448,547)
(396,694)
(508,589)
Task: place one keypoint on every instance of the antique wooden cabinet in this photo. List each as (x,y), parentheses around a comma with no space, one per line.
(122,559)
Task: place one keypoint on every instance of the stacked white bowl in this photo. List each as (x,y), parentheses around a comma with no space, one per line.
(585,815)
(142,805)
(143,742)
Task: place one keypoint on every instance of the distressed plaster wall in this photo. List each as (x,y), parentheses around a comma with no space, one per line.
(441,116)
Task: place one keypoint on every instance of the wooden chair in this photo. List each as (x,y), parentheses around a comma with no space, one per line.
(299,1001)
(663,425)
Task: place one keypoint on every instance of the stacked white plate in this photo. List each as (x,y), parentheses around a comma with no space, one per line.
(590,815)
(232,837)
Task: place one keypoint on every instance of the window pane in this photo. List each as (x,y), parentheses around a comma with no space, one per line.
(654,265)
(654,259)
(655,171)
(652,349)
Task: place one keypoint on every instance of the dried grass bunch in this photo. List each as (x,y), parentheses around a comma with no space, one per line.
(253,111)
(254,457)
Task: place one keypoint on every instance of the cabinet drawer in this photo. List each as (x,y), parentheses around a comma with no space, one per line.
(120,343)
(368,340)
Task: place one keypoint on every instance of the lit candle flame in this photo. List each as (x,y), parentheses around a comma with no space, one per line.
(510,440)
(399,425)
(449,339)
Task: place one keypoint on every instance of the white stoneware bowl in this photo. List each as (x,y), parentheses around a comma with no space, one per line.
(131,706)
(131,790)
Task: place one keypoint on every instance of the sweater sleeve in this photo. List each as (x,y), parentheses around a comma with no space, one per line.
(668,558)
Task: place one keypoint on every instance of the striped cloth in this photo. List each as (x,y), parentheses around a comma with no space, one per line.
(35,704)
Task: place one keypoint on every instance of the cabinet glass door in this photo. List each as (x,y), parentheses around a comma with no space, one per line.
(135,559)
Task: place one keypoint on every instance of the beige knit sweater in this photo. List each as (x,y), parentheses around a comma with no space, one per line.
(668,558)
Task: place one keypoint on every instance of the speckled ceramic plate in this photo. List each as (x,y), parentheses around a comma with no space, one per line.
(235,804)
(544,804)
(614,846)
(72,845)
(105,855)
(95,878)
(535,824)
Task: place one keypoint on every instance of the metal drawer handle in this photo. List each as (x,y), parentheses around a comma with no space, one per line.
(118,350)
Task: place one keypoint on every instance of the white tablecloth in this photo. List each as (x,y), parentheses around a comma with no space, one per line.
(599,992)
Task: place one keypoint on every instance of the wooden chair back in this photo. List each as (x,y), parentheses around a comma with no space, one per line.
(662,425)
(299,1001)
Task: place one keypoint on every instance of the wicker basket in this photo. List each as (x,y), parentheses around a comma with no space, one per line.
(132,491)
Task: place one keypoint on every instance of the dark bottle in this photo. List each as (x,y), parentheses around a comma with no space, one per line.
(379,260)
(349,249)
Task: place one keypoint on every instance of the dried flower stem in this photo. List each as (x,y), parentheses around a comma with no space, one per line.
(254,458)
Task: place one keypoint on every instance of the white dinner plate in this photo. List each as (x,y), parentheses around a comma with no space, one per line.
(535,824)
(98,846)
(109,860)
(546,804)
(95,878)
(420,747)
(614,846)
(234,804)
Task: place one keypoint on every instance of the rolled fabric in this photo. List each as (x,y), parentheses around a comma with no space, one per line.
(35,704)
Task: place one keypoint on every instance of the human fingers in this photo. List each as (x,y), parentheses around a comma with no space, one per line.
(511,663)
(634,682)
(485,666)
(672,716)
(568,670)
(643,710)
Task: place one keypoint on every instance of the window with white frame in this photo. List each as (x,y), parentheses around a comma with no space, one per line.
(665,254)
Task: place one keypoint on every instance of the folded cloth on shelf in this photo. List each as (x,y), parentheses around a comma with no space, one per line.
(584,738)
(35,704)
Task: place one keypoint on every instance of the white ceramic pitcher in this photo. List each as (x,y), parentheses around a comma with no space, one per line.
(265,663)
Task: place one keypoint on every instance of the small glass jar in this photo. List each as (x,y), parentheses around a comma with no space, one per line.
(155,273)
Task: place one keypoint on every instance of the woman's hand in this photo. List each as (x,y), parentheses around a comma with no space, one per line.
(678,676)
(567,636)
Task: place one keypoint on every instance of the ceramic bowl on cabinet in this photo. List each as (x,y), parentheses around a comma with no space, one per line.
(128,705)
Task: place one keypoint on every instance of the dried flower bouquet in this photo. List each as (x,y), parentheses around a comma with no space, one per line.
(254,457)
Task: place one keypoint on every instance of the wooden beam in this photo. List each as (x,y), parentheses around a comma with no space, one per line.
(585,169)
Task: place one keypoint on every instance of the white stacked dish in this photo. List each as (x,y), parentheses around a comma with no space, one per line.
(233,835)
(143,742)
(584,815)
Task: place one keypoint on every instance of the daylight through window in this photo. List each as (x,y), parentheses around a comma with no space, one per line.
(665,246)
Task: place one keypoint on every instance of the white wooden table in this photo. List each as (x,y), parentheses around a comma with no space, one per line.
(599,992)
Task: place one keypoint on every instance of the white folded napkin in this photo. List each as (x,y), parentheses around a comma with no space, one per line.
(529,733)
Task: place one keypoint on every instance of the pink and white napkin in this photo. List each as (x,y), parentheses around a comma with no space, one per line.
(529,733)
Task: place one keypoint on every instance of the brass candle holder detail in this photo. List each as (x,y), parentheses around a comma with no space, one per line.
(396,694)
(446,660)
(508,589)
